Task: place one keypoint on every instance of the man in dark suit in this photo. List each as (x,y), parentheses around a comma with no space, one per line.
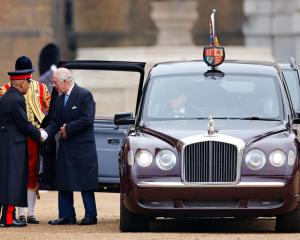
(178,105)
(76,163)
(14,130)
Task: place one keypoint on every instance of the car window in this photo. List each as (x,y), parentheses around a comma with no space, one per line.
(196,96)
(292,81)
(113,91)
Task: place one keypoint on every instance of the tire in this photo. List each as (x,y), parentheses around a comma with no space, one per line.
(289,222)
(130,222)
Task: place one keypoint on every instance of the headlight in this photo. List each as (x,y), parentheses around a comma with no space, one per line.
(255,159)
(277,158)
(144,158)
(291,158)
(165,160)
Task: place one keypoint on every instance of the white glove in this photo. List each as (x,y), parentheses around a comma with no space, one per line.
(44,135)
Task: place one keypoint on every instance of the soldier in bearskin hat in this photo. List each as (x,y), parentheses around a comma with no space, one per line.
(37,100)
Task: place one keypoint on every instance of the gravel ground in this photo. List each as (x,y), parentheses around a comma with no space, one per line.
(107,227)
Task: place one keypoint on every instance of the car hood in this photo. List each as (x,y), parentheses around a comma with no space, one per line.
(243,129)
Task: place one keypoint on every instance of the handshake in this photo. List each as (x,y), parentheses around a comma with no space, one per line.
(44,134)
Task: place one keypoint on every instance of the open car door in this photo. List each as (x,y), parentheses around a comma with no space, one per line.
(291,73)
(109,137)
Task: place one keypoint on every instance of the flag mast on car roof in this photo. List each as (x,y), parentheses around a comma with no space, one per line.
(213,55)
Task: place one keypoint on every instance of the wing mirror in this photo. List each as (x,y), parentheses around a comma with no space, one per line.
(124,118)
(296,126)
(296,121)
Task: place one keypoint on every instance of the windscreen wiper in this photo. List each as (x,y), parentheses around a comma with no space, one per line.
(244,118)
(259,119)
(225,118)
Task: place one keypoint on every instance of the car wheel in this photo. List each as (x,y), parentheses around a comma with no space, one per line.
(289,222)
(130,222)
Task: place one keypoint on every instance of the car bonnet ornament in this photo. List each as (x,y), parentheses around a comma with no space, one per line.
(213,55)
(211,130)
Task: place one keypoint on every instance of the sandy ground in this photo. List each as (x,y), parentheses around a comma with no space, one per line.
(107,227)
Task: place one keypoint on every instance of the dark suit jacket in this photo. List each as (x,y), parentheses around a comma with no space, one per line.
(77,162)
(14,129)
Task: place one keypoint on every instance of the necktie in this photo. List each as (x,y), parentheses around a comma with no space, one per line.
(66,99)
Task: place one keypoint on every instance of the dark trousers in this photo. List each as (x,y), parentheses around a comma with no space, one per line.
(8,214)
(66,204)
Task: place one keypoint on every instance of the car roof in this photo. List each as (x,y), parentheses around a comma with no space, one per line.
(285,66)
(229,66)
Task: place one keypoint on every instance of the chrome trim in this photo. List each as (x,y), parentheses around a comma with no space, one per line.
(210,204)
(209,185)
(239,143)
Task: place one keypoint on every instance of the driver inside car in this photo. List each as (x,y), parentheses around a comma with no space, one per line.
(178,105)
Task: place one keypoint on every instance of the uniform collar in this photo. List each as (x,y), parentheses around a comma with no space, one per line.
(12,88)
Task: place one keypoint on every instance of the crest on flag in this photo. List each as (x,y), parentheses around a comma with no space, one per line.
(213,55)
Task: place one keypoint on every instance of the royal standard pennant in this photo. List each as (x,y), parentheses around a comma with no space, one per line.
(213,55)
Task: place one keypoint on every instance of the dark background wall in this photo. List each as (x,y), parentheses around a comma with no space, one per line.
(229,21)
(113,23)
(128,22)
(26,26)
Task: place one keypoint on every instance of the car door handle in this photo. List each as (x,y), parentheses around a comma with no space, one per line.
(113,141)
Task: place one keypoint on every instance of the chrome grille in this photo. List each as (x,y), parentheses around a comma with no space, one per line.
(210,161)
(157,204)
(252,203)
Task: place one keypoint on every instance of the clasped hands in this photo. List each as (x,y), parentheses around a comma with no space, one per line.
(44,134)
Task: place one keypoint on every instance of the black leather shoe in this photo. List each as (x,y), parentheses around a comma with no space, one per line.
(17,223)
(87,221)
(32,220)
(63,221)
(5,225)
(22,218)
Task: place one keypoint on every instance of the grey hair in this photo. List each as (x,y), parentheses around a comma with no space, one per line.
(64,74)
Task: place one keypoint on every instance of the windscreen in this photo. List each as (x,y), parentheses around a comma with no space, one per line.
(198,96)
